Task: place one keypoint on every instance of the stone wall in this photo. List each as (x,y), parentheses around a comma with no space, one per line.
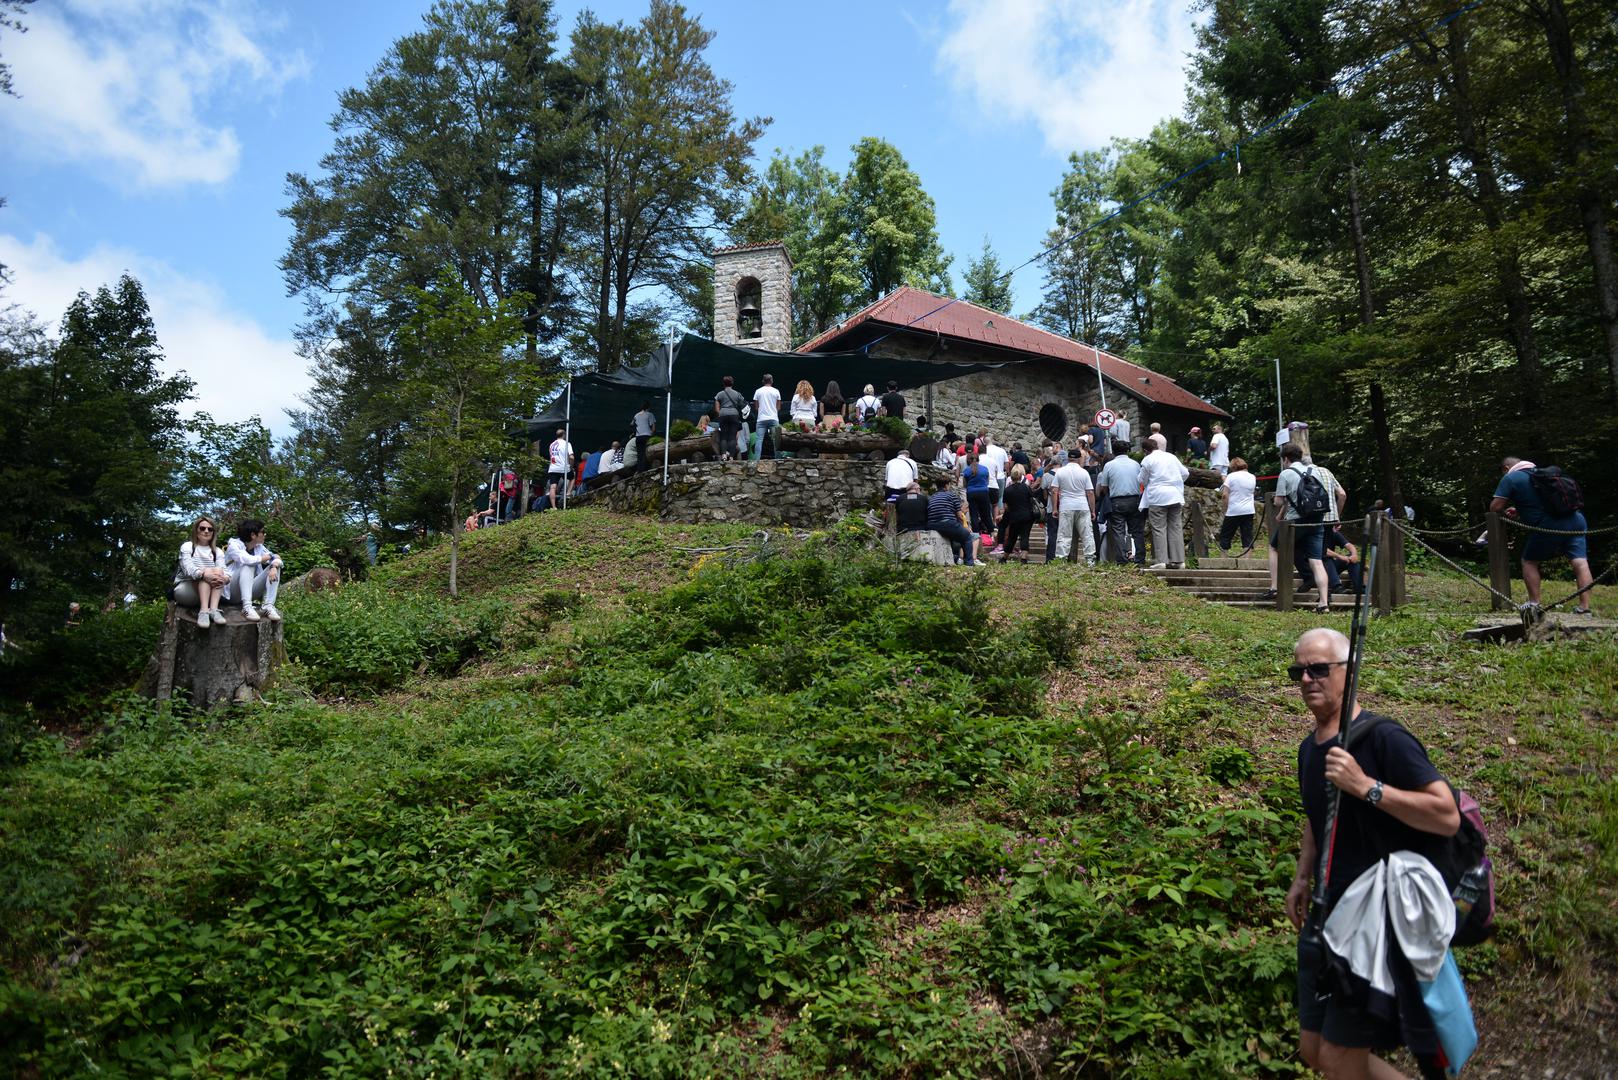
(771,268)
(1008,401)
(806,493)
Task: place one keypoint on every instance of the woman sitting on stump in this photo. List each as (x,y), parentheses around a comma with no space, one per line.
(202,574)
(255,571)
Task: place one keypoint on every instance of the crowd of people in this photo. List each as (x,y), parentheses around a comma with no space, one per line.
(244,572)
(1095,499)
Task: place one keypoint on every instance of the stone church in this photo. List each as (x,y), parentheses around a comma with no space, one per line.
(1049,387)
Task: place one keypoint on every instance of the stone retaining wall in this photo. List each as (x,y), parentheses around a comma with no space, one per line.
(805,493)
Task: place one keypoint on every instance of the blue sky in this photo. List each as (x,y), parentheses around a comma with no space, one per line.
(154,135)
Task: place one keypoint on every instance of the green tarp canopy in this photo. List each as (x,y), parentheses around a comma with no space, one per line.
(603,405)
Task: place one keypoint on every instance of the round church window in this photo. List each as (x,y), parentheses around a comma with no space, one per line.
(1053,420)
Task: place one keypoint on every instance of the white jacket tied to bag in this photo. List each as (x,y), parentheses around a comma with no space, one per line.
(1406,893)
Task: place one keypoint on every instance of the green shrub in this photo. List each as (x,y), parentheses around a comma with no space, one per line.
(682,429)
(368,638)
(68,672)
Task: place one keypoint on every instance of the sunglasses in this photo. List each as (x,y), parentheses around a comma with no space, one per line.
(1316,671)
(204,528)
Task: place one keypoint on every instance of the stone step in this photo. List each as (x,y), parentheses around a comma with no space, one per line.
(1221,562)
(1214,577)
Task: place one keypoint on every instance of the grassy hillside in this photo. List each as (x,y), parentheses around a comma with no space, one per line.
(636,805)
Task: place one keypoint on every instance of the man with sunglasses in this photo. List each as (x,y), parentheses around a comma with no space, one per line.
(1392,800)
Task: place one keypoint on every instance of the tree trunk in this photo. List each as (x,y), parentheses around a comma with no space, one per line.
(222,665)
(1514,289)
(1362,259)
(1585,173)
(1384,448)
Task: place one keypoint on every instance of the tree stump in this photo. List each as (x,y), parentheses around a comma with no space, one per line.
(222,665)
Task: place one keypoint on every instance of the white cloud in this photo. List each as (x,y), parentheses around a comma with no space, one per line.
(136,85)
(1082,70)
(240,370)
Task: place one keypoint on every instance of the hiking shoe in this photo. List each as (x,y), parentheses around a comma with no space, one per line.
(272,613)
(1267,594)
(248,613)
(1531,611)
(202,620)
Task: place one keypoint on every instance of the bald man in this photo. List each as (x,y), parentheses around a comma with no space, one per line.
(1392,800)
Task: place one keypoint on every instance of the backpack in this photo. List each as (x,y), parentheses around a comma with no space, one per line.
(1462,860)
(1558,493)
(1310,499)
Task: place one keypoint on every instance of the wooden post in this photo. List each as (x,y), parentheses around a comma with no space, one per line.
(1199,531)
(1285,572)
(1376,526)
(1396,566)
(1499,561)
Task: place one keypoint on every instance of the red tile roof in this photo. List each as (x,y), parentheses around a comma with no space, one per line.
(923,312)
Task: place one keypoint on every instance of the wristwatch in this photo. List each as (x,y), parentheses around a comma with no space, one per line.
(1374,796)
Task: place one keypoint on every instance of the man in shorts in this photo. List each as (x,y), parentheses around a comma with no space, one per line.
(1516,490)
(1310,537)
(1392,799)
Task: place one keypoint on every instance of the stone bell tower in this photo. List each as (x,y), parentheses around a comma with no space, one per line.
(752,296)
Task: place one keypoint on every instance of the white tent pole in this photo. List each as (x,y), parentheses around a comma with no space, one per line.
(567,437)
(668,409)
(1099,380)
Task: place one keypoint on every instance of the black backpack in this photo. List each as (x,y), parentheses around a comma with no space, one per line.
(1310,498)
(1461,860)
(1558,493)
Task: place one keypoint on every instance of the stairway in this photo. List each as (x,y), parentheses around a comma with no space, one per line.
(1236,583)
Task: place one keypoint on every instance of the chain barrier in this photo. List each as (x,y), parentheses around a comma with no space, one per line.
(1453,565)
(1574,596)
(1411,530)
(1525,527)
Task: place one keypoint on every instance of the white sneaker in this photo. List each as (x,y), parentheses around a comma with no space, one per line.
(202,620)
(248,613)
(274,615)
(1159,566)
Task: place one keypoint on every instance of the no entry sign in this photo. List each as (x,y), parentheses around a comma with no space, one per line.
(1105,419)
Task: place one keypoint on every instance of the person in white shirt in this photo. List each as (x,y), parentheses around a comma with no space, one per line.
(1219,450)
(902,472)
(1163,498)
(995,457)
(766,415)
(1075,507)
(865,408)
(1236,495)
(1119,432)
(561,466)
(255,571)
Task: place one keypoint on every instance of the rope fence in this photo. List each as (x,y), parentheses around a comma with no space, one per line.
(1499,561)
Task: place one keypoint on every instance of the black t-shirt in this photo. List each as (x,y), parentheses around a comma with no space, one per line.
(912,511)
(1366,834)
(1019,500)
(1020,457)
(894,402)
(1197,447)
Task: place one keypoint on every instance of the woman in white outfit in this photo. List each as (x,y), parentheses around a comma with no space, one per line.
(255,571)
(202,574)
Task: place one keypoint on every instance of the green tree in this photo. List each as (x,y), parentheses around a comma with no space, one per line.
(462,380)
(890,221)
(93,449)
(665,161)
(986,281)
(463,148)
(800,202)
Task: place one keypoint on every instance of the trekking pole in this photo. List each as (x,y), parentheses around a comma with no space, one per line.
(1351,684)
